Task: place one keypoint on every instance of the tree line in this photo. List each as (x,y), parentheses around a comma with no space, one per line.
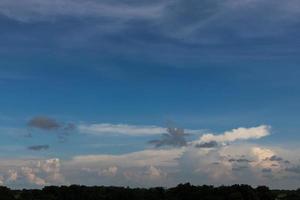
(181,192)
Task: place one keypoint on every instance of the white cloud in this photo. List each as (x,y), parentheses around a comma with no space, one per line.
(229,164)
(111,171)
(99,129)
(235,163)
(149,174)
(262,153)
(238,163)
(52,168)
(38,172)
(237,134)
(31,176)
(125,129)
(37,10)
(165,158)
(154,172)
(142,168)
(12,175)
(1,180)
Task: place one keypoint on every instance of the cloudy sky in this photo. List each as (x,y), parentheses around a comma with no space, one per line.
(149,93)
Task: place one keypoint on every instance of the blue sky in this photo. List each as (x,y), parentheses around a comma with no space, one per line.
(122,72)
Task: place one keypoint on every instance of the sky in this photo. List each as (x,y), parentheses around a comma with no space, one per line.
(149,93)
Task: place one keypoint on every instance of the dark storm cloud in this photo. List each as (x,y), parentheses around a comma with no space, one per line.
(48,124)
(174,137)
(210,144)
(38,147)
(44,123)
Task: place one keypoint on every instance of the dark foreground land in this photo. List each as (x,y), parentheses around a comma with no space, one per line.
(181,192)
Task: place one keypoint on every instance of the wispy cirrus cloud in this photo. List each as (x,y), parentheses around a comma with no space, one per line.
(184,30)
(191,19)
(106,128)
(126,129)
(38,147)
(35,10)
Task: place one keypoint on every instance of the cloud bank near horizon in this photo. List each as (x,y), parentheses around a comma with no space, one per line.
(238,161)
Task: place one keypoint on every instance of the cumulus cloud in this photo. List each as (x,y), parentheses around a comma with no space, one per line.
(174,137)
(135,159)
(111,171)
(236,163)
(12,175)
(235,135)
(1,180)
(262,154)
(142,168)
(149,173)
(32,172)
(231,164)
(32,177)
(38,147)
(154,173)
(52,168)
(228,164)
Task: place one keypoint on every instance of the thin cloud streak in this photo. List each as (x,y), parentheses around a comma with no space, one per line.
(43,10)
(38,147)
(126,129)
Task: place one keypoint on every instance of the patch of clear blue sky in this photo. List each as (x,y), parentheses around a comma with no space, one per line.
(218,78)
(215,98)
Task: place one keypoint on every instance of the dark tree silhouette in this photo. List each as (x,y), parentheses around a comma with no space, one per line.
(181,192)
